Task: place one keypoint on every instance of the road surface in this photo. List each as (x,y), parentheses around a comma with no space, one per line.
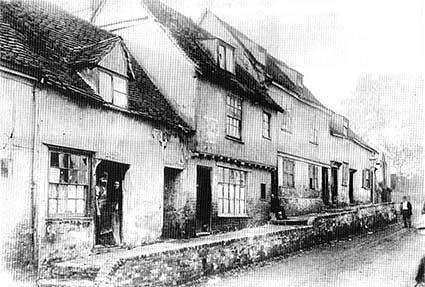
(387,258)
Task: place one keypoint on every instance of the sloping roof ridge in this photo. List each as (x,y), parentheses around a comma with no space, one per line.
(113,38)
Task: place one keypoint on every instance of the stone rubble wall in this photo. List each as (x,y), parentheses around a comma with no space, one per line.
(188,264)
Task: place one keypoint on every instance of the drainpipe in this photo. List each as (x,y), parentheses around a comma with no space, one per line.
(34,158)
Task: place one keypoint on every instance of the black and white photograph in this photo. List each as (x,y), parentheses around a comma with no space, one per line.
(212,143)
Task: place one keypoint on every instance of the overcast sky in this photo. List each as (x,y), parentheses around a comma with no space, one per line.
(332,42)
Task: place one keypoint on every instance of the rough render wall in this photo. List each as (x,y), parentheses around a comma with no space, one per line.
(16,238)
(211,128)
(358,158)
(301,199)
(66,123)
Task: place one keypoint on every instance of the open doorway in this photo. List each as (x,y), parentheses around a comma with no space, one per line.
(351,186)
(171,226)
(325,186)
(203,200)
(108,202)
(334,185)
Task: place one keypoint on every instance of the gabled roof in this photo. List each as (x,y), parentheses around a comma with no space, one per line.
(272,66)
(43,41)
(188,35)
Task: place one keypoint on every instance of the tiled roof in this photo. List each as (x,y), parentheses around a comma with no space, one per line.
(44,41)
(188,35)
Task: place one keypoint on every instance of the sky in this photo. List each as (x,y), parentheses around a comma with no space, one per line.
(333,43)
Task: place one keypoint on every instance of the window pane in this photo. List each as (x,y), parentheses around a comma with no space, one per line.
(105,86)
(61,206)
(220,204)
(71,206)
(80,192)
(64,175)
(82,177)
(120,99)
(53,193)
(229,60)
(54,159)
(74,161)
(232,198)
(72,191)
(62,191)
(73,176)
(54,174)
(63,160)
(120,85)
(80,206)
(83,163)
(221,57)
(243,211)
(52,206)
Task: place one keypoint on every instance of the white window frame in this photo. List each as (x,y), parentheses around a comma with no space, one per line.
(231,197)
(60,175)
(112,97)
(287,120)
(227,60)
(286,172)
(234,116)
(267,119)
(313,177)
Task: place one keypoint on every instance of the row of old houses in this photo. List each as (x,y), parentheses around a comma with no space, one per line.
(197,123)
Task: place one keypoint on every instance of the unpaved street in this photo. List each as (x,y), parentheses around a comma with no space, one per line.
(388,258)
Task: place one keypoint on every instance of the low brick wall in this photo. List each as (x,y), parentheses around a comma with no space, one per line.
(187,264)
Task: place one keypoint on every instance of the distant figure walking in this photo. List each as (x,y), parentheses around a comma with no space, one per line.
(406,212)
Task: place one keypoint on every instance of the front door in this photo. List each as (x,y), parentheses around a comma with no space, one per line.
(334,184)
(351,186)
(109,198)
(203,200)
(325,184)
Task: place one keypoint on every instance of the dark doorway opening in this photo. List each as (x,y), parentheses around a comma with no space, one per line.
(171,227)
(351,186)
(325,186)
(108,223)
(334,185)
(203,200)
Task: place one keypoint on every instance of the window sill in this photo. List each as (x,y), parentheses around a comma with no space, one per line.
(239,141)
(69,218)
(267,138)
(286,131)
(313,143)
(233,216)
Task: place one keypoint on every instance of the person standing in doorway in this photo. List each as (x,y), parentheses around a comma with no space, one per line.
(116,197)
(406,212)
(102,214)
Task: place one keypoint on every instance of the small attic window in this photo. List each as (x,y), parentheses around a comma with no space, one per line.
(225,57)
(113,88)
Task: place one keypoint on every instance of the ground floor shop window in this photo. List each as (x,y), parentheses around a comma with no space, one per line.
(231,192)
(68,184)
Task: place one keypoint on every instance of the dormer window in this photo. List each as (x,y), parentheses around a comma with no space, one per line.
(225,57)
(113,88)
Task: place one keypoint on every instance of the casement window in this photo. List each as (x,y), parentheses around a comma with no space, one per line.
(225,57)
(113,88)
(286,172)
(345,174)
(266,125)
(231,192)
(313,175)
(366,178)
(69,181)
(287,120)
(263,191)
(233,116)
